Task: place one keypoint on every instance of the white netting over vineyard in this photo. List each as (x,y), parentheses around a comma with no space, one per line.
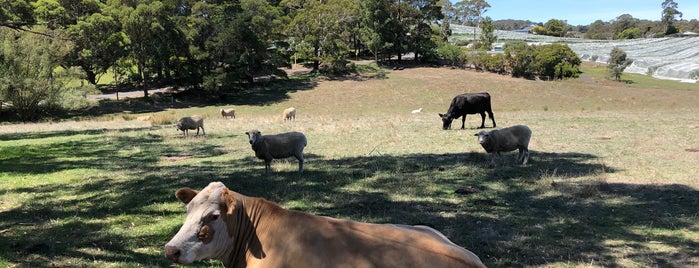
(665,58)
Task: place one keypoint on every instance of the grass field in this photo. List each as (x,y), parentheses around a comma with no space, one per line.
(612,178)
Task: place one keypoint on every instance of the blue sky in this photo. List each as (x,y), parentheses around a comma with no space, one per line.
(584,12)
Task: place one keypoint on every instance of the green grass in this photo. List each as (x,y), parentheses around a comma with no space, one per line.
(612,179)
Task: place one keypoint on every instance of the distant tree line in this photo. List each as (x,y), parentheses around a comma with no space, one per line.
(221,46)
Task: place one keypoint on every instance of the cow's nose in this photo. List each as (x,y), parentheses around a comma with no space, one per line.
(172,253)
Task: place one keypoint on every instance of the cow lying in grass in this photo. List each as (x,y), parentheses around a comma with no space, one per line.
(245,231)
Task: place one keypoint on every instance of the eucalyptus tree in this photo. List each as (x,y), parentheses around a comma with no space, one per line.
(556,27)
(243,43)
(422,15)
(669,16)
(327,26)
(472,11)
(153,41)
(488,36)
(381,28)
(617,63)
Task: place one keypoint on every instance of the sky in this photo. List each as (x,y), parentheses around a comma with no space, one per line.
(584,12)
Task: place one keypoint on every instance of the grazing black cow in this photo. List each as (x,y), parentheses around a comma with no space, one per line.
(473,103)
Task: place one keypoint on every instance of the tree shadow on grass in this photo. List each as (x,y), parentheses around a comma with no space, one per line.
(536,215)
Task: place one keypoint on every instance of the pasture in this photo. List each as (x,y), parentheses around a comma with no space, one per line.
(611,182)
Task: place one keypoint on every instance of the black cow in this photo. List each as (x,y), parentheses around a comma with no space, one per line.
(461,105)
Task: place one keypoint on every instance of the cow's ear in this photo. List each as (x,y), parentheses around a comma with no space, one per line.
(185,195)
(228,201)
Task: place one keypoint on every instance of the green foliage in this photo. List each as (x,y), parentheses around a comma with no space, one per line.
(669,16)
(631,33)
(28,77)
(520,59)
(556,27)
(538,29)
(494,63)
(556,61)
(487,37)
(617,63)
(452,54)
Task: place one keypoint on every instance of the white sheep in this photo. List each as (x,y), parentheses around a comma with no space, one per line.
(277,146)
(228,112)
(191,122)
(506,140)
(289,113)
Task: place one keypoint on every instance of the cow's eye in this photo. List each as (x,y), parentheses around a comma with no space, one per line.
(209,218)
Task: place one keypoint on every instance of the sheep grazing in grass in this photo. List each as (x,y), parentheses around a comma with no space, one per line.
(506,140)
(191,122)
(277,146)
(228,113)
(289,113)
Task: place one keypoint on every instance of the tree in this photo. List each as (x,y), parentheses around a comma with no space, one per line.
(28,72)
(599,30)
(16,14)
(488,36)
(556,27)
(669,15)
(624,22)
(327,26)
(617,63)
(471,11)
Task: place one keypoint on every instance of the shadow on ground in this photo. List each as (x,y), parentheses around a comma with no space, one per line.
(511,216)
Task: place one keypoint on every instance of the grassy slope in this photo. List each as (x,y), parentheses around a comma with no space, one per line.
(612,178)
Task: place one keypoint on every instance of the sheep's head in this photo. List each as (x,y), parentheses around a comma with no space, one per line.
(483,137)
(253,135)
(446,121)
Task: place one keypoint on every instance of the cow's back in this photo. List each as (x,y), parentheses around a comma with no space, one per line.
(312,241)
(470,103)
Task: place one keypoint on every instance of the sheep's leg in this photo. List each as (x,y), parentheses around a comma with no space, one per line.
(268,169)
(526,157)
(300,158)
(520,156)
(482,120)
(492,160)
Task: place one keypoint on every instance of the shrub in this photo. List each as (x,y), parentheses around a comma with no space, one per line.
(557,61)
(451,54)
(631,33)
(520,59)
(617,63)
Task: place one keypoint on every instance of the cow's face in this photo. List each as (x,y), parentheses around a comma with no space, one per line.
(204,232)
(253,135)
(446,121)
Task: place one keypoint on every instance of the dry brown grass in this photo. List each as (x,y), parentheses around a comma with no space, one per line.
(612,178)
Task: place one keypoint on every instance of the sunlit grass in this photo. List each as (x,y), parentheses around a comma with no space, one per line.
(611,180)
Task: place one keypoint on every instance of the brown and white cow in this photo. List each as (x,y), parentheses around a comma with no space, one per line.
(245,231)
